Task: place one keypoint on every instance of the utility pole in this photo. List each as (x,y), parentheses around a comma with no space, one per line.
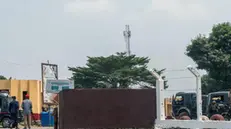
(127,36)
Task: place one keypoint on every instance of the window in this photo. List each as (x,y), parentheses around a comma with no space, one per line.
(194,96)
(179,98)
(55,88)
(218,98)
(65,87)
(24,93)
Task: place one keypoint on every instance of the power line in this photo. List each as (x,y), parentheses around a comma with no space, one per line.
(14,63)
(171,70)
(175,70)
(182,90)
(18,64)
(178,78)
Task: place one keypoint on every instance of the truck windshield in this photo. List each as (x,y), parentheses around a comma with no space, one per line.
(179,98)
(218,99)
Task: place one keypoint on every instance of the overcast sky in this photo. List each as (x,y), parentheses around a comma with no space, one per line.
(66,31)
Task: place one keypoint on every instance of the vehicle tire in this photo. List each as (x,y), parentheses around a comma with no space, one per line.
(6,122)
(217,117)
(169,118)
(183,113)
(185,118)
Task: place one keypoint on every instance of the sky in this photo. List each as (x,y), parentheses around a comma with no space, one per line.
(65,32)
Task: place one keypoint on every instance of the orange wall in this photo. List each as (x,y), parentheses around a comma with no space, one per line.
(16,88)
(4,84)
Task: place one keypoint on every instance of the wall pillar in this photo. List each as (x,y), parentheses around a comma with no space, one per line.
(34,92)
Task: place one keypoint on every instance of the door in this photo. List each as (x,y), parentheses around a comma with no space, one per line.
(24,93)
(5,105)
(194,103)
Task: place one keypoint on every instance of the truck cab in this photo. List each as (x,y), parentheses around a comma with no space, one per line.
(185,103)
(222,98)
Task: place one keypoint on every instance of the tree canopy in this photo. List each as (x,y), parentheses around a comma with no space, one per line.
(114,71)
(212,53)
(2,77)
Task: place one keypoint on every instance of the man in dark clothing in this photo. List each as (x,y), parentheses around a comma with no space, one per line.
(213,108)
(55,114)
(13,109)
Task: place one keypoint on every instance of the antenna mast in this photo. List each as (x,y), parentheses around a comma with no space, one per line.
(127,36)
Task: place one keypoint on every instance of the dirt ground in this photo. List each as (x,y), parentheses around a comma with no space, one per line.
(40,128)
(34,127)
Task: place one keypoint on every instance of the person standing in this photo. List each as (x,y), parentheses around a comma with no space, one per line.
(55,114)
(27,111)
(13,109)
(213,108)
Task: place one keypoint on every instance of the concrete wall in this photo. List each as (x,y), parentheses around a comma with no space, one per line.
(16,88)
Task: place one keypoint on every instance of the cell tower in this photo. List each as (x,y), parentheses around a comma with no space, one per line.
(127,36)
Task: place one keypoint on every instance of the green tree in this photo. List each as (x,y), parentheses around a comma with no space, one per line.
(114,71)
(2,77)
(209,84)
(212,53)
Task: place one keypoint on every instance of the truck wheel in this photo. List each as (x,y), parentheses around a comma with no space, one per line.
(217,117)
(6,122)
(185,118)
(184,113)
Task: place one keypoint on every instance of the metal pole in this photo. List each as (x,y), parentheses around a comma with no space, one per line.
(42,74)
(127,36)
(128,42)
(159,96)
(198,91)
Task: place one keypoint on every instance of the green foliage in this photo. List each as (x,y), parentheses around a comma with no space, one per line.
(2,77)
(209,85)
(114,71)
(212,53)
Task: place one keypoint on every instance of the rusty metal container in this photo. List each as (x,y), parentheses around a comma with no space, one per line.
(107,108)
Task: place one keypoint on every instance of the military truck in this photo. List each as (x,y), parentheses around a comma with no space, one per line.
(222,99)
(184,103)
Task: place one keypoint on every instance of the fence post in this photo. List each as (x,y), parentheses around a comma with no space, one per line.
(159,96)
(198,91)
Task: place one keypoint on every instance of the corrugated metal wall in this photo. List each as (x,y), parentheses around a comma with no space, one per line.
(107,108)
